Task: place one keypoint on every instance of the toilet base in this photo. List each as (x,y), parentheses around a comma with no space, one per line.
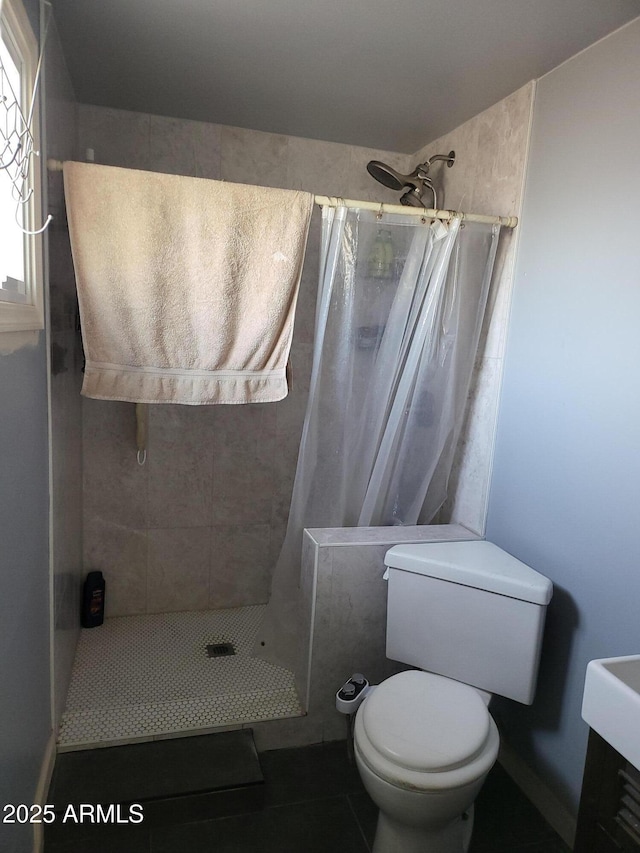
(394,837)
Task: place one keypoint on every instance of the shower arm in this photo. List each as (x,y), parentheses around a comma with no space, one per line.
(422,169)
(449,159)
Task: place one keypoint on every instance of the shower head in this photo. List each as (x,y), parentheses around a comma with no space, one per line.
(415,183)
(386,175)
(413,197)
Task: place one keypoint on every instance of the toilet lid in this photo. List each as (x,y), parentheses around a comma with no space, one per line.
(426,722)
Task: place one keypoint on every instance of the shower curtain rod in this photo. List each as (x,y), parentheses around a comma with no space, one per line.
(428,213)
(336,201)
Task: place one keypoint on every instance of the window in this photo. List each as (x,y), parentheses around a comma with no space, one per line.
(20,195)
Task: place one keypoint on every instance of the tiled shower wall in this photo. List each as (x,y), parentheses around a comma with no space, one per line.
(488,177)
(201,523)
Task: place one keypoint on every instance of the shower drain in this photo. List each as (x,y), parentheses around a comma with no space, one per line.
(220,650)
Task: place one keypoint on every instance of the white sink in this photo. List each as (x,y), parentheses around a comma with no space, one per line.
(611,703)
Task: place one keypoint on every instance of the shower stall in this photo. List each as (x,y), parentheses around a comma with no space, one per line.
(186,544)
(188,541)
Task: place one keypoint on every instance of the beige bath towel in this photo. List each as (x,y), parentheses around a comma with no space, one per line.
(187,287)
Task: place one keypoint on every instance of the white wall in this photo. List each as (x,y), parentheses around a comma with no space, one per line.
(24,581)
(25,718)
(565,491)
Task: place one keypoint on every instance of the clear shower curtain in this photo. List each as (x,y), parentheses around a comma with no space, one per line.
(398,318)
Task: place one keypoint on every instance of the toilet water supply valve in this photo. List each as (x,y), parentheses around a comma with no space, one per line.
(352,694)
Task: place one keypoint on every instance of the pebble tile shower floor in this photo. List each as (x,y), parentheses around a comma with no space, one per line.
(139,677)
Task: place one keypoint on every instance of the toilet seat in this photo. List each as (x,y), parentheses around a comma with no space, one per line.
(425,731)
(426,722)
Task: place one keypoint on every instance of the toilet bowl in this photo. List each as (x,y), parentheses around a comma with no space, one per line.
(424,745)
(424,742)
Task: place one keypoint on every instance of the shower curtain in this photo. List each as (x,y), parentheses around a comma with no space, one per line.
(398,319)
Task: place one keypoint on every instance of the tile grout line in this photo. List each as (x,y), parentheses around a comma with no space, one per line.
(358,824)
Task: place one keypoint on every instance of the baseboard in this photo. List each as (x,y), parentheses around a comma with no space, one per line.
(42,789)
(549,806)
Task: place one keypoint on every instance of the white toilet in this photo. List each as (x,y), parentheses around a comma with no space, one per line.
(471,617)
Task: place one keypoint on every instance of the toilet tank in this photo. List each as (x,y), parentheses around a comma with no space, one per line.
(469,611)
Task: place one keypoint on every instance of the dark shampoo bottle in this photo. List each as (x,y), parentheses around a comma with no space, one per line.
(93,600)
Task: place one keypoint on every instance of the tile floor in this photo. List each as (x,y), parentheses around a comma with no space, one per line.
(137,677)
(314,803)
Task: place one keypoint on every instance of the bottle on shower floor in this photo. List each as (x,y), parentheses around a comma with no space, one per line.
(93,600)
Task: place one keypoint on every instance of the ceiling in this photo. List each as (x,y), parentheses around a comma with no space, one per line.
(390,75)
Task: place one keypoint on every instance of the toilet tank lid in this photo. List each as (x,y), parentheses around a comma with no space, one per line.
(475,563)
